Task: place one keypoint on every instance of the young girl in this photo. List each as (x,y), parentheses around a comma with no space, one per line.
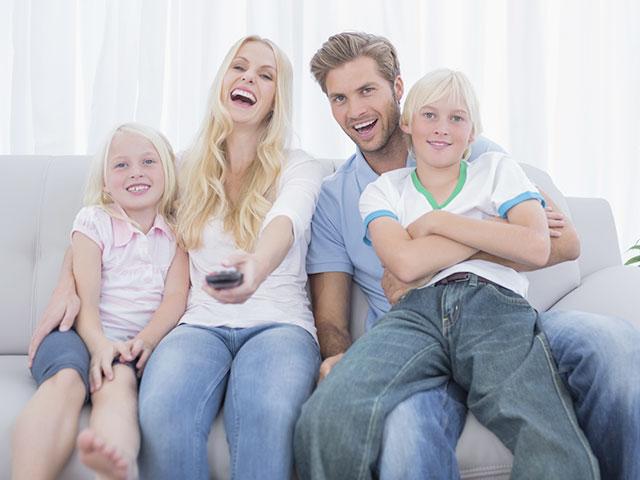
(246,202)
(470,322)
(132,282)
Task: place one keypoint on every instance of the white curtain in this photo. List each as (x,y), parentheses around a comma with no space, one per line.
(559,81)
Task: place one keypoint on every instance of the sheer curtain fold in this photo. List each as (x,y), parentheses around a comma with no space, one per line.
(558,81)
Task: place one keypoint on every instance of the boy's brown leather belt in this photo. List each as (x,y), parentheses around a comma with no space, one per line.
(463,277)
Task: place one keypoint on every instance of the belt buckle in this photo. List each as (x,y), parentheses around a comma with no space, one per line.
(455,278)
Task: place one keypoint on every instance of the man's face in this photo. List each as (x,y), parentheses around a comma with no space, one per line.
(363,103)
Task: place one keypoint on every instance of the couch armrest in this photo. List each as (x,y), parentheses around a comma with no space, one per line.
(612,291)
(598,239)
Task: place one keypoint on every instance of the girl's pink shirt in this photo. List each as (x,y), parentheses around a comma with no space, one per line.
(134,268)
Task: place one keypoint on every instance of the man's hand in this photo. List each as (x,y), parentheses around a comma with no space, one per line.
(61,311)
(555,220)
(394,289)
(327,365)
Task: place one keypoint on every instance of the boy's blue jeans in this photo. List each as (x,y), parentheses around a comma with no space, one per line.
(482,336)
(598,359)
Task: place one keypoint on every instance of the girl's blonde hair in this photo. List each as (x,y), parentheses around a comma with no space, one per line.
(439,84)
(94,191)
(206,165)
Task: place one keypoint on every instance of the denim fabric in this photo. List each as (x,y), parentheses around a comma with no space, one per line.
(599,360)
(262,374)
(61,350)
(420,435)
(482,336)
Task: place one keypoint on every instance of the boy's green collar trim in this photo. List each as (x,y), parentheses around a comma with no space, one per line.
(432,201)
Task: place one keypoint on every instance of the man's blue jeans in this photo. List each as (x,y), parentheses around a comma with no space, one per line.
(262,374)
(482,336)
(598,358)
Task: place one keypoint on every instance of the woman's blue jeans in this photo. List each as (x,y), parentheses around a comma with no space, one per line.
(263,375)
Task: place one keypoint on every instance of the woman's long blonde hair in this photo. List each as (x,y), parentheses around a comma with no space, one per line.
(94,191)
(202,177)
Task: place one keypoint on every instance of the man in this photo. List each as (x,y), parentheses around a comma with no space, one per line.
(361,77)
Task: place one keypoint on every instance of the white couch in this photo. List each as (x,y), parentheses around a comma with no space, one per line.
(39,196)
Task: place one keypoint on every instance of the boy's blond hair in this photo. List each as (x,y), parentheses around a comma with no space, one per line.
(206,165)
(347,46)
(439,84)
(94,190)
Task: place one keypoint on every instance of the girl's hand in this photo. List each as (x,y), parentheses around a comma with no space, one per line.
(252,271)
(102,362)
(139,349)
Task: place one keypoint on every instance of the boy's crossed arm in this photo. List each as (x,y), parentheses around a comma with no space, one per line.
(410,259)
(564,246)
(523,239)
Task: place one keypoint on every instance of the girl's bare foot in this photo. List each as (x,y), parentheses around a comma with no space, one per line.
(104,459)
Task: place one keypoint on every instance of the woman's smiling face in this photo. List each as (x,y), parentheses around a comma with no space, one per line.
(249,85)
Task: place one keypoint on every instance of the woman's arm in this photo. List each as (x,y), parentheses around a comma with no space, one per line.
(174,302)
(271,248)
(287,220)
(62,308)
(524,239)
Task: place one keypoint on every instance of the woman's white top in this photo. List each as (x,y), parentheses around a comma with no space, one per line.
(282,297)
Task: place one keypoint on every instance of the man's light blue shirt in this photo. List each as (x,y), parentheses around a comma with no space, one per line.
(337,229)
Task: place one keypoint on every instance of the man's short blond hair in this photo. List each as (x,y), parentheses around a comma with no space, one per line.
(347,46)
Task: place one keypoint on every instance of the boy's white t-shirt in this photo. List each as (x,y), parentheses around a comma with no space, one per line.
(282,297)
(489,186)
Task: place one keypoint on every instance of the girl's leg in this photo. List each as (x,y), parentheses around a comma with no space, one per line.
(45,431)
(180,394)
(272,375)
(110,445)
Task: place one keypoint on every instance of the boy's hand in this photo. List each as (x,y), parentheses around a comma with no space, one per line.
(425,224)
(102,356)
(61,312)
(139,349)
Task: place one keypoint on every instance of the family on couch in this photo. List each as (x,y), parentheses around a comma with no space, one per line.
(244,205)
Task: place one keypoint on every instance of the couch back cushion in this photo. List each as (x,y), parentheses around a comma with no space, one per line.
(39,197)
(548,285)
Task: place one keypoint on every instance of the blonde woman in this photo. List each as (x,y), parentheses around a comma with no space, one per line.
(246,204)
